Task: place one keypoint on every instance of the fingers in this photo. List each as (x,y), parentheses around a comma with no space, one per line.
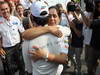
(58,33)
(35,47)
(31,52)
(34,55)
(2,52)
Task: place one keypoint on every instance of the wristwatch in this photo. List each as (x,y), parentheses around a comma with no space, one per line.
(46,57)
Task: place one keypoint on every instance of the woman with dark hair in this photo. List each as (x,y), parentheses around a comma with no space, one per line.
(49,52)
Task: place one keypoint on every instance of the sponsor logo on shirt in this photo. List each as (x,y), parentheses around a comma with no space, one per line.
(1,22)
(15,23)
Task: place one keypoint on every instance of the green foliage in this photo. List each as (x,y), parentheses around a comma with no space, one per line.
(77,1)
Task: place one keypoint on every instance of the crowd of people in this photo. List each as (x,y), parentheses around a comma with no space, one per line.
(37,39)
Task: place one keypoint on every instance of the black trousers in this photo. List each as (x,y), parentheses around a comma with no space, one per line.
(13,60)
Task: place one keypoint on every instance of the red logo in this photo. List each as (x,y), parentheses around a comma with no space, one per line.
(66,46)
(1,22)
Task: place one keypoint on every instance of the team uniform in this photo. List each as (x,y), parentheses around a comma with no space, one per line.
(51,43)
(9,32)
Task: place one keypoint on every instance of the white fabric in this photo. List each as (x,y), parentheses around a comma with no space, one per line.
(64,20)
(38,7)
(9,31)
(87,32)
(52,44)
(70,17)
(26,56)
(26,3)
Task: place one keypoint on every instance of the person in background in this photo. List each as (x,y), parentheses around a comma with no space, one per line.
(26,4)
(87,32)
(95,26)
(10,47)
(63,18)
(12,5)
(26,21)
(76,26)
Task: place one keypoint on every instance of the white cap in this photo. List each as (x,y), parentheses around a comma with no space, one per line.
(38,7)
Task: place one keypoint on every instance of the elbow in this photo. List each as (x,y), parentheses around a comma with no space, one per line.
(24,36)
(65,61)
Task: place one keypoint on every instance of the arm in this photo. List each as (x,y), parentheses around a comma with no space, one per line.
(86,20)
(78,32)
(41,54)
(37,31)
(72,25)
(2,52)
(61,58)
(31,25)
(34,32)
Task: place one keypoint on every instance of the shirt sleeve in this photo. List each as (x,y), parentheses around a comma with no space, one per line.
(64,45)
(20,26)
(65,30)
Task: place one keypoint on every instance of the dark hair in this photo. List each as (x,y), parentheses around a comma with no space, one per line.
(40,21)
(55,7)
(19,5)
(5,2)
(60,8)
(70,6)
(97,1)
(59,5)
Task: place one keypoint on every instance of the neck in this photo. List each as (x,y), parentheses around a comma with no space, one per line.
(21,15)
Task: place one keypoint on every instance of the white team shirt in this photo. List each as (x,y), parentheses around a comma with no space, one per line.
(9,31)
(87,32)
(53,45)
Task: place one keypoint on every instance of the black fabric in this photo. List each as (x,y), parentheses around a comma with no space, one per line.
(96,1)
(25,23)
(40,20)
(76,40)
(95,40)
(90,5)
(13,60)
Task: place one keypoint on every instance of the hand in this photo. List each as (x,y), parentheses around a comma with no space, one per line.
(2,52)
(72,25)
(55,31)
(38,53)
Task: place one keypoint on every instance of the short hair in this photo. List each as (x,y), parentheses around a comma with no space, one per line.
(19,5)
(5,2)
(59,5)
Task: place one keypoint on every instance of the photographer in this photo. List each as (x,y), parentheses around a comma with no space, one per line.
(95,40)
(76,25)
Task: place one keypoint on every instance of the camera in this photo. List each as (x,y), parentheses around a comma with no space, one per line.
(71,7)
